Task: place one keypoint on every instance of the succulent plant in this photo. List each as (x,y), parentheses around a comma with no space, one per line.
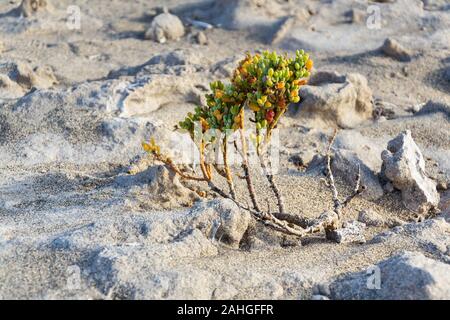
(265,84)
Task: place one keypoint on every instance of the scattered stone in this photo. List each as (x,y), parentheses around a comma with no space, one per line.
(431,235)
(371,218)
(442,185)
(127,272)
(319,297)
(395,50)
(225,68)
(417,107)
(351,232)
(221,220)
(9,89)
(26,77)
(29,8)
(393,222)
(147,94)
(165,27)
(322,289)
(201,38)
(404,166)
(243,14)
(199,24)
(259,237)
(163,185)
(407,276)
(225,291)
(357,16)
(296,284)
(405,71)
(338,100)
(303,158)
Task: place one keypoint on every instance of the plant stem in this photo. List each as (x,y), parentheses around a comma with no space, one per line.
(227,168)
(245,166)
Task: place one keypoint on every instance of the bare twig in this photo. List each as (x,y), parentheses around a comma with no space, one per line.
(272,185)
(268,206)
(169,163)
(356,191)
(336,201)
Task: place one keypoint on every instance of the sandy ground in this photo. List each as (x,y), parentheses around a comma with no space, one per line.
(70,209)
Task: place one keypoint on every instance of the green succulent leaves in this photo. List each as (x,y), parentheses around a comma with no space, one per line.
(266,83)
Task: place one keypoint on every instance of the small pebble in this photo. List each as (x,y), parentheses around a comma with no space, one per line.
(442,186)
(201,38)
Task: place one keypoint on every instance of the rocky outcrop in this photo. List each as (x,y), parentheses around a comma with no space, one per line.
(337,100)
(221,220)
(404,166)
(408,276)
(17,78)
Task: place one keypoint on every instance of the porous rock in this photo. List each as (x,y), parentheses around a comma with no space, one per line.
(27,77)
(433,235)
(351,232)
(335,99)
(407,276)
(404,166)
(165,26)
(222,220)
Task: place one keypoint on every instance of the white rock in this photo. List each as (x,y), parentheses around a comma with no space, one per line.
(22,74)
(337,100)
(351,232)
(201,38)
(165,27)
(408,276)
(10,89)
(433,235)
(404,166)
(371,218)
(395,50)
(222,220)
(148,94)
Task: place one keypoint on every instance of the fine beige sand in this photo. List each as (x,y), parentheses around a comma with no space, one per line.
(85,215)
